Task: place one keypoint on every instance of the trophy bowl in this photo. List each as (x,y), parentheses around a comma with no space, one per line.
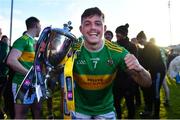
(60,42)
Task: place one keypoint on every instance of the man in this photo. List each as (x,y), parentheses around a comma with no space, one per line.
(164,84)
(124,86)
(4,48)
(95,69)
(20,60)
(7,74)
(150,58)
(108,35)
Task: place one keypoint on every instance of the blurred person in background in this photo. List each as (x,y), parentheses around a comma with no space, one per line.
(124,85)
(150,58)
(164,56)
(21,59)
(108,35)
(4,48)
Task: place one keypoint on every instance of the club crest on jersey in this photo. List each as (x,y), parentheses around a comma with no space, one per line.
(110,62)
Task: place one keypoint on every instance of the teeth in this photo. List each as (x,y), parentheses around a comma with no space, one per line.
(93,34)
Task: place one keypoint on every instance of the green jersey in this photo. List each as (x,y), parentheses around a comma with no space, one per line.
(26,45)
(94,73)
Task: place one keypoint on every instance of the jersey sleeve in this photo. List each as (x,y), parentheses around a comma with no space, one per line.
(122,64)
(20,44)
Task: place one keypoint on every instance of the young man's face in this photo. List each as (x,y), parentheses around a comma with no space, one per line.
(38,29)
(108,36)
(119,36)
(92,28)
(141,41)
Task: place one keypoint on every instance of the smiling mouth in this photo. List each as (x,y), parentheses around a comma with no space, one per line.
(93,34)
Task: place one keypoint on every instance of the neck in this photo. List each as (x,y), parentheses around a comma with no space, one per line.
(93,47)
(31,33)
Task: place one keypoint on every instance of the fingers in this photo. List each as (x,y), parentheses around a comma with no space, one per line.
(132,62)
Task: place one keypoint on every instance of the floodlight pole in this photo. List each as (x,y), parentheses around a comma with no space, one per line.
(170,26)
(11,21)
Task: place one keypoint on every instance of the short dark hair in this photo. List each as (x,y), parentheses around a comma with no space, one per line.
(108,31)
(31,22)
(141,35)
(92,11)
(4,37)
(123,29)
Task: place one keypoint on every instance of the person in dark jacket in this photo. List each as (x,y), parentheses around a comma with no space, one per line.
(124,86)
(150,59)
(4,48)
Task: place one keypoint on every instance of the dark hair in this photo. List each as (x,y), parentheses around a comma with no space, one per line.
(31,22)
(4,37)
(108,31)
(141,35)
(92,11)
(24,32)
(123,29)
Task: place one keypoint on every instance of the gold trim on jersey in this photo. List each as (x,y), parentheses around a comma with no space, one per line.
(94,82)
(27,56)
(113,46)
(25,37)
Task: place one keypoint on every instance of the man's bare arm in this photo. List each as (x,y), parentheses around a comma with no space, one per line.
(137,72)
(143,77)
(13,62)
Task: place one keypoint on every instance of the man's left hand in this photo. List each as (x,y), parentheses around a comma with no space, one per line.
(132,63)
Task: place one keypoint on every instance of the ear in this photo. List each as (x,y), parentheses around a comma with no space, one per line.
(105,28)
(80,29)
(36,26)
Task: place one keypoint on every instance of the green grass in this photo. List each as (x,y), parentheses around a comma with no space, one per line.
(172,112)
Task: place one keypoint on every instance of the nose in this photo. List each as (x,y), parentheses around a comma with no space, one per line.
(93,26)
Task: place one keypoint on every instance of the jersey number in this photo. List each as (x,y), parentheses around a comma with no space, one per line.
(95,63)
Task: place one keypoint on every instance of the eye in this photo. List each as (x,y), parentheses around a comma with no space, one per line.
(99,23)
(86,23)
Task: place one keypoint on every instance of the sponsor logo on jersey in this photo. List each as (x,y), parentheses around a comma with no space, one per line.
(81,62)
(94,82)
